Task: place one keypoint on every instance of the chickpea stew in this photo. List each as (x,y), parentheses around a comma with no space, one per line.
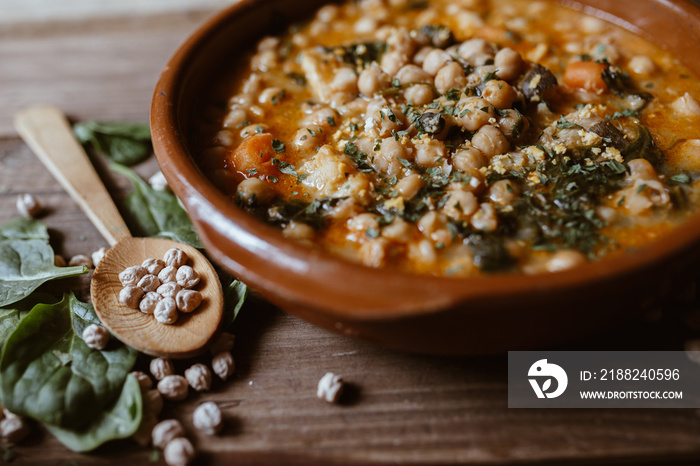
(457,138)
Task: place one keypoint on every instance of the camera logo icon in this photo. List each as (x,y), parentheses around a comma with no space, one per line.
(543,371)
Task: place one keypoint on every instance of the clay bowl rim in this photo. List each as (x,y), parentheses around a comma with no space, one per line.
(202,199)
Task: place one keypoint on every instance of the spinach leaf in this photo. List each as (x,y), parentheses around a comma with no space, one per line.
(234,296)
(125,143)
(120,421)
(48,373)
(26,260)
(157,213)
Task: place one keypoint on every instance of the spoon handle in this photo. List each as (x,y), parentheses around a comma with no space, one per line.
(46,130)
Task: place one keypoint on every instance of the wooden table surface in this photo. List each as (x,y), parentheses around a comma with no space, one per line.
(401,408)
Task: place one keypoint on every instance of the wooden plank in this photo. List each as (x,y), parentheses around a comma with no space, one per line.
(105,69)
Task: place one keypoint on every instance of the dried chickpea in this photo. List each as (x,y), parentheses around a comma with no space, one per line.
(161,367)
(179,452)
(166,431)
(165,311)
(167,275)
(173,387)
(330,387)
(169,290)
(199,377)
(188,300)
(175,258)
(80,259)
(149,301)
(13,428)
(153,266)
(207,418)
(187,277)
(131,275)
(130,296)
(59,261)
(95,336)
(149,283)
(223,365)
(97,256)
(28,206)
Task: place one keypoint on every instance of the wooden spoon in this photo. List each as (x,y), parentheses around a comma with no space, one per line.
(46,130)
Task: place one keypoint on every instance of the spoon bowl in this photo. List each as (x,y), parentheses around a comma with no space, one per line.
(47,132)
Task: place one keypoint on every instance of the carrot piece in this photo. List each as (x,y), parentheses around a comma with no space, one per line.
(585,75)
(253,153)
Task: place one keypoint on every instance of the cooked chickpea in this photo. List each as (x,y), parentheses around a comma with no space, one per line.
(419,57)
(298,231)
(255,191)
(271,95)
(435,60)
(563,260)
(472,180)
(449,76)
(413,74)
(503,192)
(328,13)
(307,139)
(254,129)
(235,118)
(373,80)
(469,158)
(513,125)
(387,160)
(430,153)
(409,186)
(392,62)
(474,112)
(399,231)
(499,94)
(374,253)
(363,222)
(476,51)
(460,205)
(320,117)
(344,80)
(485,218)
(490,141)
(641,169)
(400,40)
(508,63)
(642,65)
(419,94)
(422,252)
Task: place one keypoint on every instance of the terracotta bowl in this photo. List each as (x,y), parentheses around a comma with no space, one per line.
(410,312)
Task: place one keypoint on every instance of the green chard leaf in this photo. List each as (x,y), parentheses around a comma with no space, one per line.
(156,213)
(125,143)
(119,421)
(27,260)
(48,373)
